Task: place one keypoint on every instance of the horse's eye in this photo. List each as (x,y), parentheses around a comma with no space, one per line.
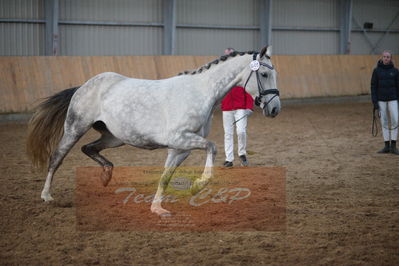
(264,75)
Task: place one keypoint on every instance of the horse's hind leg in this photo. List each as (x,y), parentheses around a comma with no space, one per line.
(70,137)
(107,140)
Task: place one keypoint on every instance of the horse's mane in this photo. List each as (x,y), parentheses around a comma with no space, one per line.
(215,62)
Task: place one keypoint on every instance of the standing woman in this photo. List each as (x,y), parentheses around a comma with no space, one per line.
(385,95)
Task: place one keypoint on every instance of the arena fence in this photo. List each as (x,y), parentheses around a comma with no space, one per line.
(26,80)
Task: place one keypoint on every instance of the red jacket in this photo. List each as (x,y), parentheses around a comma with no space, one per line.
(237,98)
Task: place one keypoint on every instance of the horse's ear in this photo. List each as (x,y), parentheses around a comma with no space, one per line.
(267,50)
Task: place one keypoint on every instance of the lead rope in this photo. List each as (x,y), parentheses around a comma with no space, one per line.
(239,119)
(374,127)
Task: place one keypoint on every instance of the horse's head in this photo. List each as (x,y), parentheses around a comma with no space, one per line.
(261,82)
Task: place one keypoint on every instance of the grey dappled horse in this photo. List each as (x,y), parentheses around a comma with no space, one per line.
(173,113)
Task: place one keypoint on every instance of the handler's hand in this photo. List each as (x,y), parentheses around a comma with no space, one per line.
(249,112)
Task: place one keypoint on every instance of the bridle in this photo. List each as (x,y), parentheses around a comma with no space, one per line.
(255,65)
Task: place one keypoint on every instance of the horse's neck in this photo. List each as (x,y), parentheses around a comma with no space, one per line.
(222,77)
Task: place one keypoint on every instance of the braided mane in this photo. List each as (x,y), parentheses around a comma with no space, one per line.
(215,62)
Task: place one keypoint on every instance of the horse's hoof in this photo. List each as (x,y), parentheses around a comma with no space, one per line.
(194,190)
(166,214)
(106,175)
(198,186)
(161,212)
(47,197)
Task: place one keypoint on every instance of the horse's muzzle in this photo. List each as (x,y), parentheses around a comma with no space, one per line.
(274,112)
(272,109)
(271,114)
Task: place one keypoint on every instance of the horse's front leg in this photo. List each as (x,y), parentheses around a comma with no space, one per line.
(190,141)
(201,182)
(175,158)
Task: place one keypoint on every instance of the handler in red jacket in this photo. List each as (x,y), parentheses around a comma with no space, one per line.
(237,105)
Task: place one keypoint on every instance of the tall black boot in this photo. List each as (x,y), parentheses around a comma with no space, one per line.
(394,150)
(386,149)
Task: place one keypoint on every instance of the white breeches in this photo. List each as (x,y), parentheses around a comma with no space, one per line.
(390,107)
(228,124)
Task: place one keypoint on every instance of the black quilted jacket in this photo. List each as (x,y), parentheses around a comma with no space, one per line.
(384,83)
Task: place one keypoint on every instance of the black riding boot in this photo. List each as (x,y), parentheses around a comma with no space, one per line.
(386,149)
(394,150)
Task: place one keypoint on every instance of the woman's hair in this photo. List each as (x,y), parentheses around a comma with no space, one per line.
(390,53)
(387,51)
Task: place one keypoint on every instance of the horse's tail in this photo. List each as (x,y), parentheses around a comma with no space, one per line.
(46,126)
